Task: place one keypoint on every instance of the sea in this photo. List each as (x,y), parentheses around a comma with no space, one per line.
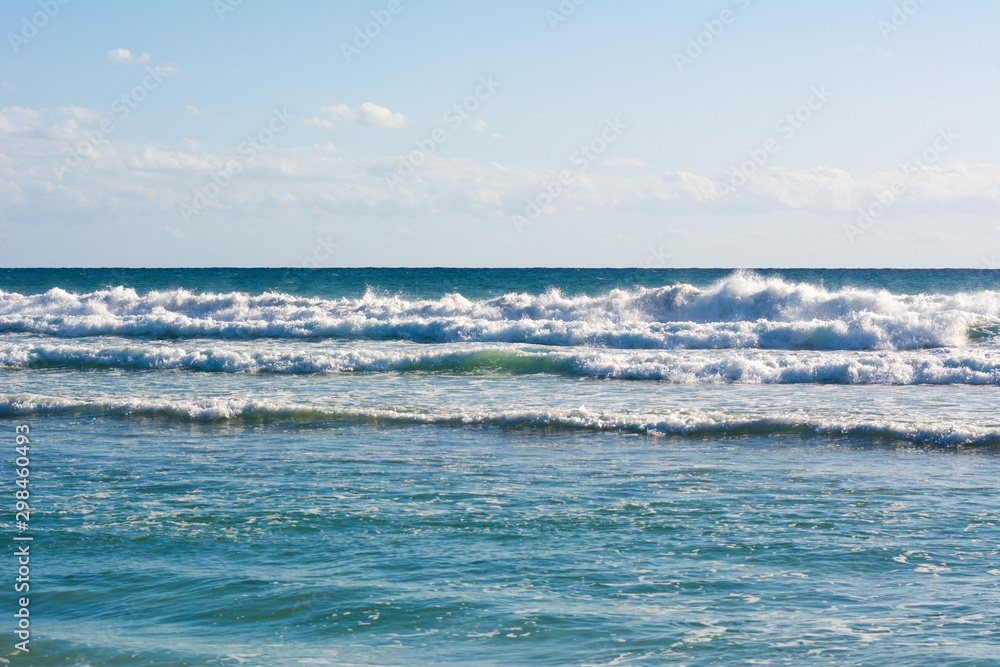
(501,466)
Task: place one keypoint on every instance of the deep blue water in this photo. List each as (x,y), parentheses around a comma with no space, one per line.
(473,283)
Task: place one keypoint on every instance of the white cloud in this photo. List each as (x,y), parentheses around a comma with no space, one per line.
(17,120)
(480,125)
(122,56)
(319,122)
(7,86)
(193,110)
(166,69)
(816,188)
(366,115)
(118,178)
(81,114)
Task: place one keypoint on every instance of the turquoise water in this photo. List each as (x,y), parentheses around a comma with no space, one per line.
(399,467)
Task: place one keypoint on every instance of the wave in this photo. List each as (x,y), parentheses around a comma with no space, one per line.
(967,366)
(677,422)
(741,311)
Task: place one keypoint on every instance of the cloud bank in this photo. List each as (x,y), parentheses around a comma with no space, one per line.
(118,178)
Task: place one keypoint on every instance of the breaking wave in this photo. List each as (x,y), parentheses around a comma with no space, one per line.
(903,367)
(741,311)
(676,422)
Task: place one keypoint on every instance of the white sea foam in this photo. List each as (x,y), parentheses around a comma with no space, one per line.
(673,422)
(741,311)
(962,366)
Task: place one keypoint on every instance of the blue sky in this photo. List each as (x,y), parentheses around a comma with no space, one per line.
(365,161)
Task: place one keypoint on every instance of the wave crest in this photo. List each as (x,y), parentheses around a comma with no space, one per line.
(676,422)
(741,311)
(970,366)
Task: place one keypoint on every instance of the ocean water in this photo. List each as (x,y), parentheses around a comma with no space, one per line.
(509,467)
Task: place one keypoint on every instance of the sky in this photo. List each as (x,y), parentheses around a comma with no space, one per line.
(591,133)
